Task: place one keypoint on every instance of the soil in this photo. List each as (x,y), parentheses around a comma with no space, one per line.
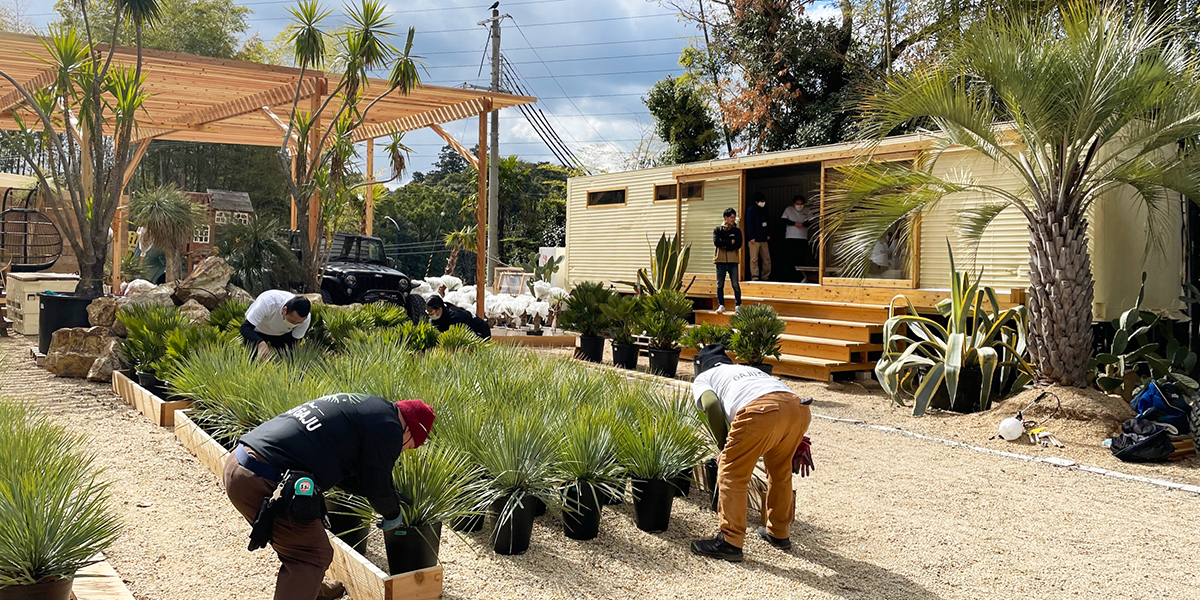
(884,516)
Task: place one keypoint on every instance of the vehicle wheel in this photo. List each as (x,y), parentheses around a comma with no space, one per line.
(326,297)
(1194,422)
(415,305)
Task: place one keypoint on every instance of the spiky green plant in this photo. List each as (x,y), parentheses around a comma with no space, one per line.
(582,312)
(228,315)
(756,331)
(459,338)
(383,314)
(260,260)
(668,266)
(659,436)
(169,219)
(665,318)
(438,483)
(706,334)
(624,315)
(419,336)
(147,326)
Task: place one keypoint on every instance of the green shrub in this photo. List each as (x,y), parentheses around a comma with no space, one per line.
(756,331)
(665,318)
(148,327)
(582,312)
(229,315)
(459,338)
(624,314)
(706,334)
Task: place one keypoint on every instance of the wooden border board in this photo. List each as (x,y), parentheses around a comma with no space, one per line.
(99,582)
(161,412)
(363,580)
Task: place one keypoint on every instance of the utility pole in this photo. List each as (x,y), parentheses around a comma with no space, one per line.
(493,202)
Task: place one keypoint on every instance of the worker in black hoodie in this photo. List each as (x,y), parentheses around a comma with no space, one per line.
(728,240)
(443,315)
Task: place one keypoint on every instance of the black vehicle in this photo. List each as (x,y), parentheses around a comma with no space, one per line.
(359,271)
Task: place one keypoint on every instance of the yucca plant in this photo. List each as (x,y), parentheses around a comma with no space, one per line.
(260,260)
(756,331)
(438,483)
(459,338)
(588,450)
(169,219)
(660,437)
(665,318)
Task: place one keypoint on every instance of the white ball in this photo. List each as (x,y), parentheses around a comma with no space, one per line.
(1011,428)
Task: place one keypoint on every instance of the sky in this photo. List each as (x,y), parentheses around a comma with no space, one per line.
(589,62)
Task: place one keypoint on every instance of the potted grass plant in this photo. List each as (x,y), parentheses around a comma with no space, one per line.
(704,334)
(349,518)
(654,447)
(55,511)
(587,470)
(756,330)
(624,315)
(582,313)
(664,320)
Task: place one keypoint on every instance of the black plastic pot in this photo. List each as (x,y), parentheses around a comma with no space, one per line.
(59,311)
(59,589)
(652,500)
(966,399)
(764,367)
(467,524)
(664,362)
(539,507)
(152,383)
(710,473)
(581,511)
(591,348)
(348,527)
(682,483)
(625,355)
(512,535)
(412,548)
(617,496)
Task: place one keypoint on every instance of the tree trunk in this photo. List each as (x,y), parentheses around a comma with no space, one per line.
(452,261)
(1060,299)
(91,277)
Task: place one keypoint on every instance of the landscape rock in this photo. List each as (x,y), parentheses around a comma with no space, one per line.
(74,350)
(207,283)
(313,298)
(194,311)
(162,295)
(102,312)
(109,361)
(137,286)
(237,293)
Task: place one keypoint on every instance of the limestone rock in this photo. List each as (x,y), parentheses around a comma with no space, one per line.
(162,295)
(194,311)
(74,350)
(137,286)
(313,298)
(207,283)
(103,311)
(237,293)
(109,361)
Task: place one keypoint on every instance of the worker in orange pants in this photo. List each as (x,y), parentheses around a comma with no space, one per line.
(752,416)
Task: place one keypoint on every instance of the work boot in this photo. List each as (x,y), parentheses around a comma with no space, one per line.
(784,544)
(331,589)
(717,548)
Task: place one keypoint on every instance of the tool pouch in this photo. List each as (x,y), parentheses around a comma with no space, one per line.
(303,501)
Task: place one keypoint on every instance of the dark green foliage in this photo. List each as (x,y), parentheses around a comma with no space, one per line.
(706,334)
(665,318)
(260,260)
(756,331)
(683,121)
(624,314)
(228,315)
(583,312)
(458,338)
(148,327)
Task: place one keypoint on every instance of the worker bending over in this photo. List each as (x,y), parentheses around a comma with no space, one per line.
(752,415)
(276,475)
(275,321)
(443,314)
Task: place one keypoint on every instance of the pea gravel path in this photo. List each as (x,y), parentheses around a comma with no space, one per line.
(885,516)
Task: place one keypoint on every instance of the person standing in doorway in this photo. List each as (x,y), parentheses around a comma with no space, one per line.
(757,236)
(728,240)
(795,237)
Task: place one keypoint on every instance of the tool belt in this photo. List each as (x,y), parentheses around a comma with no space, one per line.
(297,499)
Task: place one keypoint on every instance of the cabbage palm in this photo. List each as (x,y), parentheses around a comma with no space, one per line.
(1076,104)
(168,219)
(457,241)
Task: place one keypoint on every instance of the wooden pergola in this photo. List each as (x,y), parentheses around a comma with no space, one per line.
(201,99)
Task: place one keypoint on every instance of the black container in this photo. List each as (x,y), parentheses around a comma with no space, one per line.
(59,589)
(682,483)
(614,497)
(152,384)
(625,355)
(349,528)
(512,535)
(966,399)
(539,507)
(591,348)
(764,367)
(710,473)
(467,523)
(581,511)
(412,548)
(59,311)
(652,500)
(664,362)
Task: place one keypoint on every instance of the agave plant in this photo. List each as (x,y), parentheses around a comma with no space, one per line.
(668,266)
(930,355)
(756,331)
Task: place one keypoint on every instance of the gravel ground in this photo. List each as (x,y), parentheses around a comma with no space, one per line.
(885,516)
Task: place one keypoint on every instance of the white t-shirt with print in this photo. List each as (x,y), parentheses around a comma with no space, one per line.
(266,315)
(736,386)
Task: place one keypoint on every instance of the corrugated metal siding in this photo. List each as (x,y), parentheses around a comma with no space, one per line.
(699,219)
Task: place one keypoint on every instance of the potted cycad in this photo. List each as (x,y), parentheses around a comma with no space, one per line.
(583,314)
(624,314)
(665,320)
(147,328)
(704,334)
(756,331)
(654,447)
(587,470)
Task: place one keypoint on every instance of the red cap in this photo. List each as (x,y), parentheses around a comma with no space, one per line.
(418,417)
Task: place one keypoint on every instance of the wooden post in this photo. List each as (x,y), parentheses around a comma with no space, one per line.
(314,144)
(369,216)
(292,201)
(481,213)
(742,216)
(679,214)
(120,227)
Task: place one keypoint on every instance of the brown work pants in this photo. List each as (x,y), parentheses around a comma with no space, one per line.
(759,253)
(770,427)
(304,550)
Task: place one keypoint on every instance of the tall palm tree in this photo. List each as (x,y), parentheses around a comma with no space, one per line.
(457,241)
(169,219)
(1076,103)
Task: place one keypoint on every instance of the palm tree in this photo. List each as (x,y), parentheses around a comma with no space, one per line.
(259,259)
(170,219)
(456,241)
(1077,103)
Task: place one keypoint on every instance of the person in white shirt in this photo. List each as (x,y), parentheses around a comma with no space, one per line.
(795,238)
(276,320)
(751,415)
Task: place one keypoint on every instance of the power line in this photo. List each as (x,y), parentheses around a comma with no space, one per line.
(405,11)
(613,43)
(538,121)
(563,60)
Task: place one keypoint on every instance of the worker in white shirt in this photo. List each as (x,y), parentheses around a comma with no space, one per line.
(275,321)
(795,238)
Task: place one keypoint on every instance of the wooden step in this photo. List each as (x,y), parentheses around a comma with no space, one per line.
(804,367)
(849,331)
(819,309)
(826,348)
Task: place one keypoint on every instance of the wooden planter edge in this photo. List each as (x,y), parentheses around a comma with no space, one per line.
(159,411)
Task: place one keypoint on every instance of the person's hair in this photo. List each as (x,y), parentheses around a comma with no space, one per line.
(758,197)
(298,305)
(799,197)
(729,212)
(435,302)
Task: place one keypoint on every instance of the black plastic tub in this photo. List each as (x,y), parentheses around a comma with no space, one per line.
(59,311)
(513,533)
(591,348)
(581,511)
(412,548)
(652,500)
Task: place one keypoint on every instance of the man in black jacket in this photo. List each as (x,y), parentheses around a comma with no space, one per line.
(728,240)
(758,233)
(350,441)
(443,315)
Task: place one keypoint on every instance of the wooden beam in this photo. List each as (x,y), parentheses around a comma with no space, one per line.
(481,213)
(286,93)
(134,161)
(458,147)
(279,124)
(443,114)
(314,151)
(369,209)
(119,224)
(161,129)
(16,99)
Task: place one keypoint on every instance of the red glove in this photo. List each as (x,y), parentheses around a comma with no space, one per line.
(802,461)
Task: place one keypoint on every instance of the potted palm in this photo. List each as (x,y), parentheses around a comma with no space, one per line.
(665,319)
(654,447)
(587,470)
(624,314)
(148,327)
(704,334)
(583,315)
(756,331)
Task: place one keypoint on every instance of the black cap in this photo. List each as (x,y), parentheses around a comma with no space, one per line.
(713,355)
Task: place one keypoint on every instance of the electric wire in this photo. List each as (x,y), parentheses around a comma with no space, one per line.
(537,119)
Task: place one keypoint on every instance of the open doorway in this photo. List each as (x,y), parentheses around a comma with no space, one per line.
(791,226)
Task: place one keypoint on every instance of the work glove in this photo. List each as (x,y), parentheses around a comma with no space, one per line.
(391,524)
(802,461)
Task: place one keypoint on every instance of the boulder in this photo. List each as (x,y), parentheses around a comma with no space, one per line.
(74,350)
(313,298)
(103,311)
(207,283)
(162,295)
(137,286)
(237,293)
(108,361)
(194,311)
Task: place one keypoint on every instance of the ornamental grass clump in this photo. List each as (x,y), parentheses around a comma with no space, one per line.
(459,338)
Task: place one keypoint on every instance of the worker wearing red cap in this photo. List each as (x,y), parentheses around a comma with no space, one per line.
(276,475)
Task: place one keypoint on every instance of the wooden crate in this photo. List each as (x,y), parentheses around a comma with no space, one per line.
(363,580)
(160,411)
(21,290)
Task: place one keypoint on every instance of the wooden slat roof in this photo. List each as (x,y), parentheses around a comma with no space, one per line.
(201,99)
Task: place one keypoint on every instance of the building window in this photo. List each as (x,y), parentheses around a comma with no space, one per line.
(203,235)
(693,190)
(243,218)
(606,198)
(663,193)
(222,217)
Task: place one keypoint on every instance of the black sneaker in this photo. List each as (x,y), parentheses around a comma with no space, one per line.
(717,548)
(784,544)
